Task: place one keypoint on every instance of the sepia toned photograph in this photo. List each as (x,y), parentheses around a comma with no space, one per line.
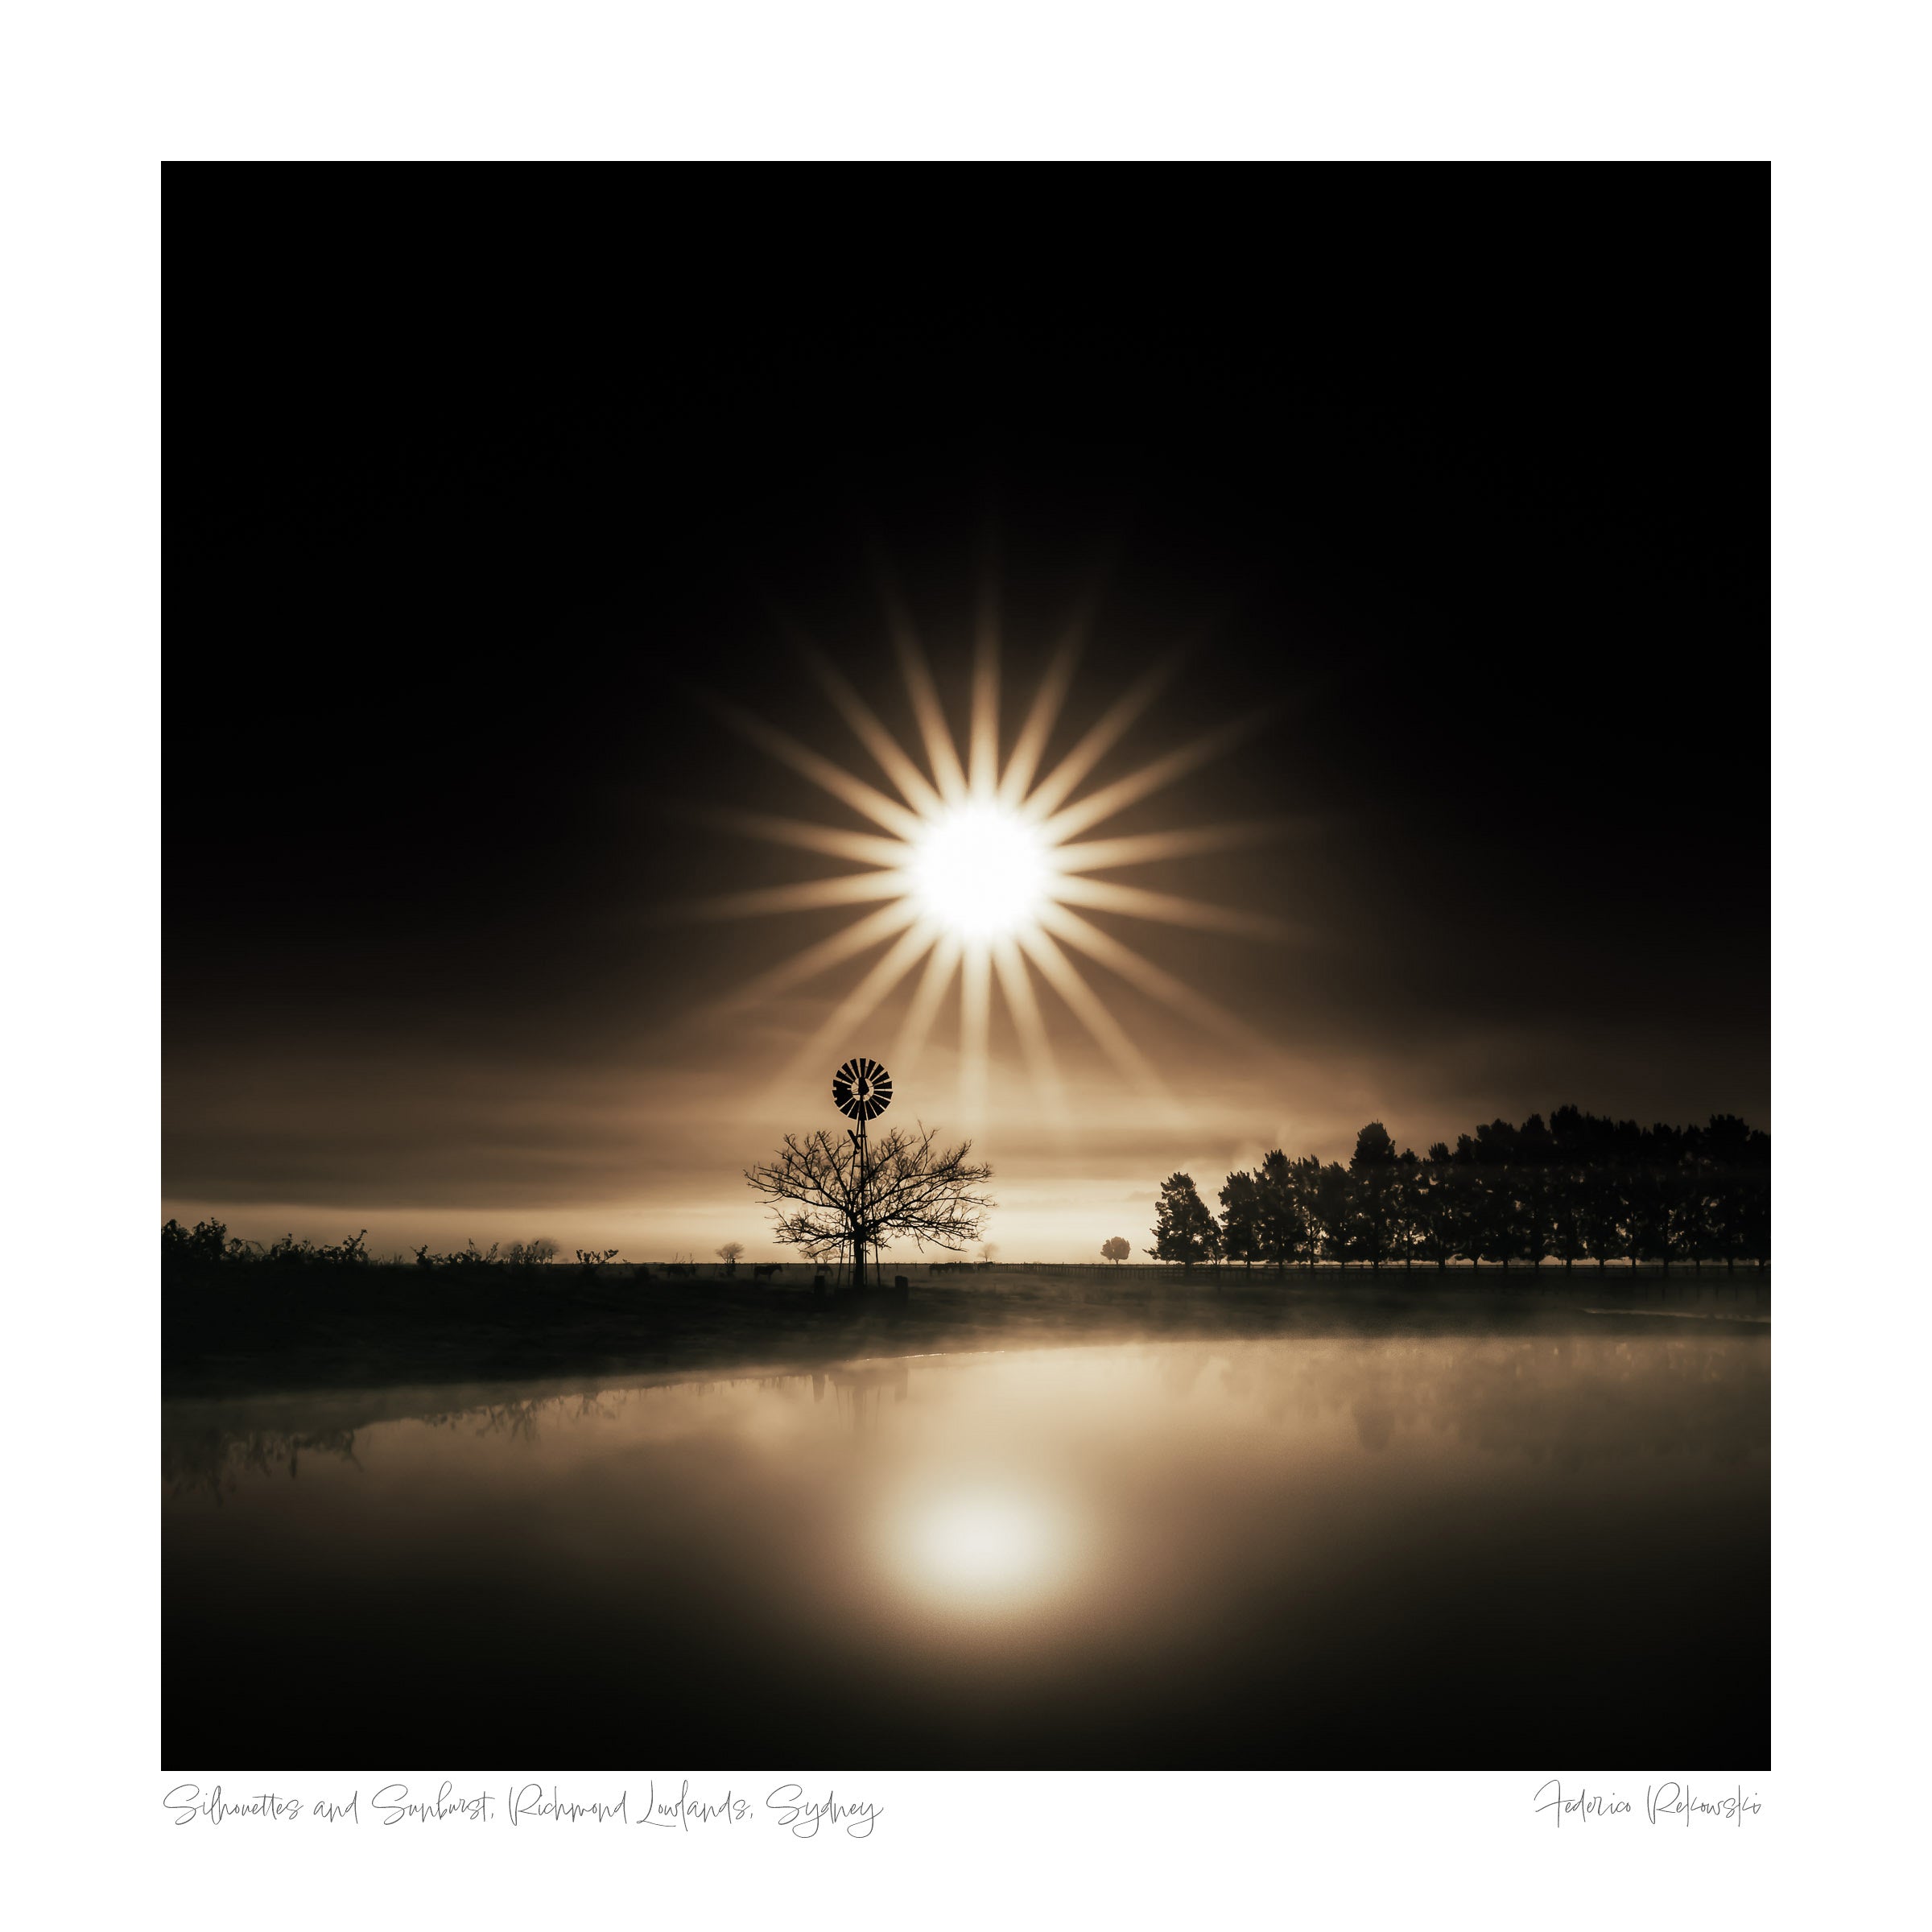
(966,971)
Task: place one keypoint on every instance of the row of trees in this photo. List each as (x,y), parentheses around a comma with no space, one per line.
(1580,1187)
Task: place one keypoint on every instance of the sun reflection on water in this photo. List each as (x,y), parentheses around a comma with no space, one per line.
(984,1548)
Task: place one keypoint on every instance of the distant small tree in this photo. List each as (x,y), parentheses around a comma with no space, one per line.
(729,1255)
(1115,1248)
(1183,1229)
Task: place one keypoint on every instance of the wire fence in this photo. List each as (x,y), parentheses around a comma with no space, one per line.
(1205,1271)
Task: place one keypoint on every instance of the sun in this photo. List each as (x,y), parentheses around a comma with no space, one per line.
(980,872)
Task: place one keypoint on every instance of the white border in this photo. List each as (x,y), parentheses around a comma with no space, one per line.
(93,97)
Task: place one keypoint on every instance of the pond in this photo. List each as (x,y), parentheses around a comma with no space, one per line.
(1375,1552)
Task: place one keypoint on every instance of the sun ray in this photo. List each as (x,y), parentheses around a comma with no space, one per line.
(919,1016)
(941,755)
(856,938)
(1143,848)
(864,999)
(1100,739)
(1168,909)
(976,1015)
(1123,960)
(1044,715)
(983,753)
(863,799)
(866,848)
(1150,778)
(1090,1009)
(848,889)
(891,756)
(1035,1047)
(979,873)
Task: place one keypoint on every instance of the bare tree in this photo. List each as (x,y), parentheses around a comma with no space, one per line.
(910,1189)
(729,1254)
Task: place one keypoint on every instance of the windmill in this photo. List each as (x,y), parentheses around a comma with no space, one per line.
(861,1090)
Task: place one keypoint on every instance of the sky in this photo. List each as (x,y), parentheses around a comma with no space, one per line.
(497,505)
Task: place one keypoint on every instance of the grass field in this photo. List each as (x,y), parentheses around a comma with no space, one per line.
(252,1330)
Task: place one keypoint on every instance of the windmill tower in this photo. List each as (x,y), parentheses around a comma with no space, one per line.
(861,1090)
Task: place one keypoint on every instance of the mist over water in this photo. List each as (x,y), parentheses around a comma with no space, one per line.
(1353,1551)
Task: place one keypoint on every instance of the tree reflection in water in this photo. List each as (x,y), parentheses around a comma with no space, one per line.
(1569,1400)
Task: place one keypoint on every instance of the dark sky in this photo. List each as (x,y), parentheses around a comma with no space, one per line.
(476,479)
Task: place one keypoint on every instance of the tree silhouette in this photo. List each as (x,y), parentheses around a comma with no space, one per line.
(1241,1219)
(1183,1230)
(1282,1231)
(729,1254)
(1115,1248)
(1580,1187)
(1466,1211)
(1330,1206)
(1531,1212)
(1598,1204)
(1404,1200)
(1568,1210)
(1647,1215)
(1754,1210)
(1430,1218)
(1304,1180)
(1376,1169)
(912,1189)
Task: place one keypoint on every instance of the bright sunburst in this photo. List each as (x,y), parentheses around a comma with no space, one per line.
(978,870)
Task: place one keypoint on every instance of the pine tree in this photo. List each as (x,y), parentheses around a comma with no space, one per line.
(1183,1229)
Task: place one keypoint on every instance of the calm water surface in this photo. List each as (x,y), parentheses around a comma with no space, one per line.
(1368,1552)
